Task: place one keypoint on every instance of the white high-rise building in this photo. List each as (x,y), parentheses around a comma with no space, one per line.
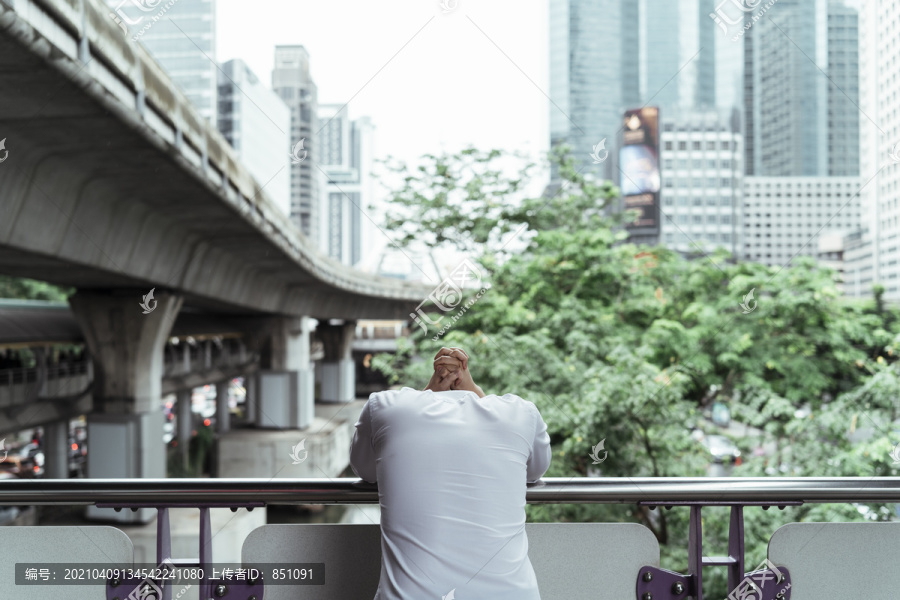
(784,217)
(879,89)
(257,124)
(345,154)
(292,81)
(701,172)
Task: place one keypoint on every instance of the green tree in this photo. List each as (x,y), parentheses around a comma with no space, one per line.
(629,344)
(29,289)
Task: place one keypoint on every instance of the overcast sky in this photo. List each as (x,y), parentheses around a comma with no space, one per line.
(429,81)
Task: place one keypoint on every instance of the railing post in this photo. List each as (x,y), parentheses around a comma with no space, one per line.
(163,545)
(695,552)
(736,546)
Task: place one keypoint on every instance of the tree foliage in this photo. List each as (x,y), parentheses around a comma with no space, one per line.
(630,344)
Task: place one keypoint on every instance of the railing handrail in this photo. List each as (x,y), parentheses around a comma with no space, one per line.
(709,491)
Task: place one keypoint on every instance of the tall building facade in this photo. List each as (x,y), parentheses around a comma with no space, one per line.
(346,155)
(292,81)
(257,124)
(594,57)
(801,91)
(182,39)
(702,173)
(786,217)
(880,145)
(607,56)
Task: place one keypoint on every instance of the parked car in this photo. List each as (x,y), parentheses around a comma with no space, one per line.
(722,450)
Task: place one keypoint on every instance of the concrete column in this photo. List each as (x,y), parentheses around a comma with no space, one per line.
(250,400)
(284,386)
(338,368)
(56,450)
(185,424)
(223,414)
(126,428)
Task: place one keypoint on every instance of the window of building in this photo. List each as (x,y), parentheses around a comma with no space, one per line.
(711,145)
(712,219)
(668,145)
(695,145)
(682,145)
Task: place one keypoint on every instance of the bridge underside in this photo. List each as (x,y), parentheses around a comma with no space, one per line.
(93,198)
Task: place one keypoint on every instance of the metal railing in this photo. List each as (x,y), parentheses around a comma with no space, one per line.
(650,491)
(652,582)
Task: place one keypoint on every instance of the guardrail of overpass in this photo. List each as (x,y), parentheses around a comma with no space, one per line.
(81,40)
(652,582)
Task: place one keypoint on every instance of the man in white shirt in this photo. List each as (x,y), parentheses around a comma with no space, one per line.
(451,467)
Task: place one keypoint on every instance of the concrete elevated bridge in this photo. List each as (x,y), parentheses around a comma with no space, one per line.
(112,183)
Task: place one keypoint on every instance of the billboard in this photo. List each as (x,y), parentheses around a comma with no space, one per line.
(639,164)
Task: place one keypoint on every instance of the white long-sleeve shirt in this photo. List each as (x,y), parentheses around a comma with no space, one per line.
(451,470)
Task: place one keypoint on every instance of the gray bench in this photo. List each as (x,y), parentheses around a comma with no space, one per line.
(100,546)
(572,561)
(839,560)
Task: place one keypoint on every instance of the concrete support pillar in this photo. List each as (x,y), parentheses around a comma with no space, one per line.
(126,429)
(338,369)
(56,450)
(284,387)
(223,412)
(250,382)
(184,425)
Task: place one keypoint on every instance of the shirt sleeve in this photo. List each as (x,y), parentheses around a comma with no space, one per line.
(362,448)
(539,459)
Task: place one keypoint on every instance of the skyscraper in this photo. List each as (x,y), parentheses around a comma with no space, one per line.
(593,76)
(257,124)
(702,179)
(800,91)
(880,145)
(292,81)
(182,39)
(346,156)
(607,56)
